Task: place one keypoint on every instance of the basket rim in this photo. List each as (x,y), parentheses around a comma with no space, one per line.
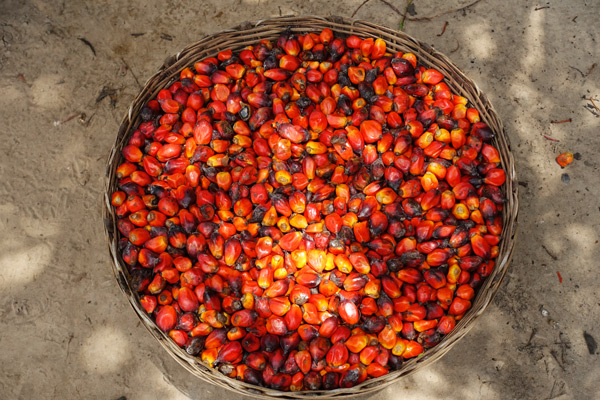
(278,24)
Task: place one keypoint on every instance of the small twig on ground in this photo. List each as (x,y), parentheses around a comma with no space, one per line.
(132,73)
(110,93)
(457,47)
(540,8)
(590,70)
(88,44)
(555,258)
(578,70)
(443,29)
(390,5)
(560,122)
(166,36)
(408,4)
(533,332)
(550,139)
(593,108)
(387,3)
(574,18)
(69,118)
(138,34)
(359,7)
(418,19)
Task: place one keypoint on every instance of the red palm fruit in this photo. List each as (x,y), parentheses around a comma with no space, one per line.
(434,310)
(230,352)
(368,354)
(303,360)
(244,318)
(424,231)
(424,325)
(373,288)
(361,232)
(139,218)
(371,131)
(490,154)
(410,189)
(149,303)
(360,263)
(289,62)
(256,360)
(300,294)
(157,244)
(281,382)
(341,333)
(446,324)
(276,325)
(278,288)
(231,251)
(495,177)
(438,257)
(444,297)
(308,279)
(180,337)
(310,314)
(488,209)
(482,130)
(251,343)
(355,281)
(139,236)
(459,306)
(453,175)
(387,337)
(355,138)
(293,318)
(413,349)
(313,381)
(415,312)
(349,312)
(187,300)
(316,259)
(132,153)
(390,287)
(430,199)
(480,246)
(328,288)
(470,263)
(460,211)
(368,306)
(431,77)
(265,278)
(356,343)
(563,159)
(465,292)
(166,318)
(429,181)
(290,241)
(405,245)
(264,246)
(307,332)
(337,355)
(328,327)
(216,245)
(410,275)
(277,74)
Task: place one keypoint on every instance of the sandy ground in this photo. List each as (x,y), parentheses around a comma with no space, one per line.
(67,330)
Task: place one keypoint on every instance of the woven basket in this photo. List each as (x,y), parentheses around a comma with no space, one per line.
(249,34)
